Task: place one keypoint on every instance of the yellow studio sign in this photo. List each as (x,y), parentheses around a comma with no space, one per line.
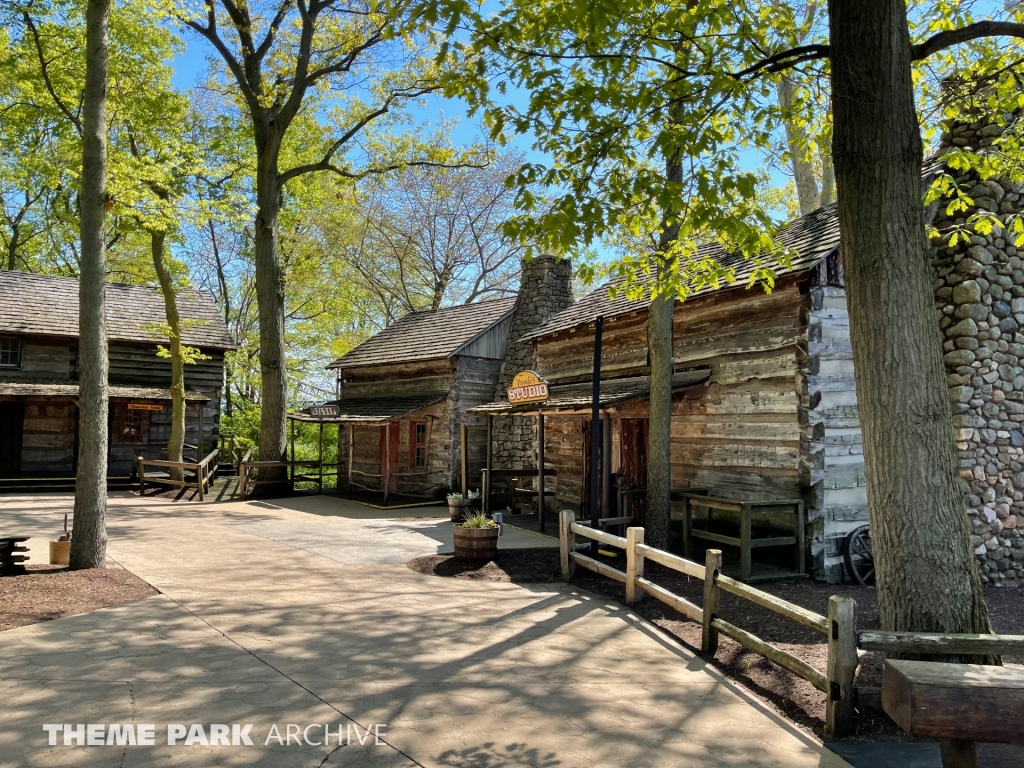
(527,387)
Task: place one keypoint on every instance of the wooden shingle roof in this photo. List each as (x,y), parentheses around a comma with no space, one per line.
(48,306)
(812,237)
(428,335)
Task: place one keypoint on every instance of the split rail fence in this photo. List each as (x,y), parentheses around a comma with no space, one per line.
(837,681)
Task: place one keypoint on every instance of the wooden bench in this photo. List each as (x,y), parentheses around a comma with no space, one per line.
(957,704)
(12,562)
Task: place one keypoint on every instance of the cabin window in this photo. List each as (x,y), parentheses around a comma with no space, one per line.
(10,352)
(131,426)
(418,444)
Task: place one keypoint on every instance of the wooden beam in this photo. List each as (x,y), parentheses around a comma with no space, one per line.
(541,497)
(463,442)
(787,660)
(944,644)
(775,604)
(597,567)
(712,601)
(842,666)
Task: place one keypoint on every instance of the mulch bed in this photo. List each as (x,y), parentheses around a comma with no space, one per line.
(792,696)
(519,566)
(50,592)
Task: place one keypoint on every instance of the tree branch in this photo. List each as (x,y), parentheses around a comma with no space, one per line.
(786,60)
(952,37)
(44,67)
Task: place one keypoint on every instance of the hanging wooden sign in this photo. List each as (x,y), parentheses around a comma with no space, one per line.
(145,407)
(527,387)
(324,411)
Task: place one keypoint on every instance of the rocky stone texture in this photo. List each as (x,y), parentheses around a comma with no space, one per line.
(979,292)
(545,289)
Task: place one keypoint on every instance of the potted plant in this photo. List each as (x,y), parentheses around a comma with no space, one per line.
(476,537)
(459,506)
(60,548)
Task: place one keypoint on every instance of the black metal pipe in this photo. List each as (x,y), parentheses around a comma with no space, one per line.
(595,435)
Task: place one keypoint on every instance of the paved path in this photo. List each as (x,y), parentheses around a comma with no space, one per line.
(249,629)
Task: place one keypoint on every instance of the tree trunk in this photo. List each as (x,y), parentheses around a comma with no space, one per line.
(176,443)
(12,247)
(796,139)
(659,439)
(660,317)
(89,540)
(927,578)
(270,303)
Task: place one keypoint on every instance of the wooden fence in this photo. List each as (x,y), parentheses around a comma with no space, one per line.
(248,473)
(839,627)
(203,472)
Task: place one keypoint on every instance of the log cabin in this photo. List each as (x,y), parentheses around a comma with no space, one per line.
(776,415)
(403,392)
(764,403)
(39,377)
(404,395)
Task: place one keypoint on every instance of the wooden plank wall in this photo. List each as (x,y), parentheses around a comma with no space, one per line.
(474,382)
(741,431)
(48,444)
(401,379)
(45,359)
(138,365)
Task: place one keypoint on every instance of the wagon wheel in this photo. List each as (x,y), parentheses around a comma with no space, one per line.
(860,563)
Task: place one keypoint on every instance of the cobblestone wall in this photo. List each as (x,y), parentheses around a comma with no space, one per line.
(980,296)
(545,289)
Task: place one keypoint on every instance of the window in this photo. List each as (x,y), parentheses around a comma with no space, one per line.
(10,352)
(131,426)
(418,444)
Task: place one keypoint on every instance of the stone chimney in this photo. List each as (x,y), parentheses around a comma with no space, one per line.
(979,292)
(545,289)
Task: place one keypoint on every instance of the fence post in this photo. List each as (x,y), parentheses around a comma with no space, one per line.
(842,665)
(201,477)
(712,601)
(142,477)
(566,542)
(634,564)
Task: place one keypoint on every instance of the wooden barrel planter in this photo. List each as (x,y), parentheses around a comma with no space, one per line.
(457,508)
(476,543)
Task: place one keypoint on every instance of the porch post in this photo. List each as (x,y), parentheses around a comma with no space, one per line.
(320,488)
(351,450)
(465,459)
(606,465)
(199,442)
(387,451)
(541,498)
(291,423)
(489,464)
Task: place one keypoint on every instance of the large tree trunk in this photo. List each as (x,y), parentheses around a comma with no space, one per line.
(270,302)
(927,578)
(659,439)
(660,317)
(89,540)
(176,443)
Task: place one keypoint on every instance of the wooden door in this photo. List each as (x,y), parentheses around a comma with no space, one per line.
(395,438)
(12,426)
(633,459)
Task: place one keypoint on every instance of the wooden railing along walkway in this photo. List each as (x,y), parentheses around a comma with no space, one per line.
(837,681)
(839,627)
(204,472)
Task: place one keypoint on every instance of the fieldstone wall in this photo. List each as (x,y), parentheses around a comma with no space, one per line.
(980,297)
(545,289)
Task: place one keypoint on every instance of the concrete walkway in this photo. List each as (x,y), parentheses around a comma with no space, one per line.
(250,629)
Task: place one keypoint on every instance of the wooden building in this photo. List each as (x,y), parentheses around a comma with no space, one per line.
(764,404)
(403,393)
(39,371)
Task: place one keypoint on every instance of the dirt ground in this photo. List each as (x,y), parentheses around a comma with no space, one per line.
(50,592)
(792,696)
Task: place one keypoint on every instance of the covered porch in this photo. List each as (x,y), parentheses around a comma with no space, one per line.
(615,444)
(379,462)
(39,439)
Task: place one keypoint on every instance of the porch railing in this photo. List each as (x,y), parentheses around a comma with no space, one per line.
(203,472)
